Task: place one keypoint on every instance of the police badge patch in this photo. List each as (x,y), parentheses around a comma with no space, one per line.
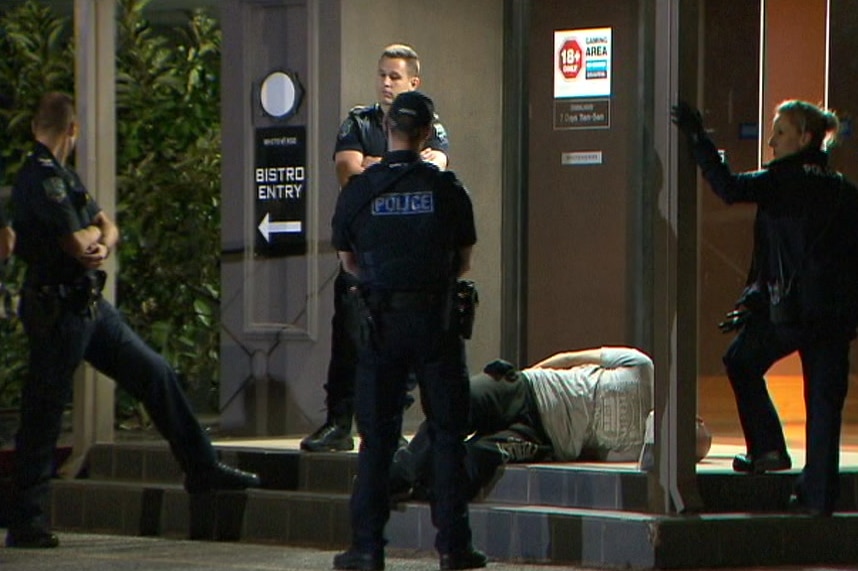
(345,129)
(55,188)
(440,132)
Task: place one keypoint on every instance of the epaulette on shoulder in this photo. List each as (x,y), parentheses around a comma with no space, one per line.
(46,163)
(361,109)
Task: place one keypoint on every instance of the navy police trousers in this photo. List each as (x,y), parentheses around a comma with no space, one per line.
(825,363)
(60,339)
(418,341)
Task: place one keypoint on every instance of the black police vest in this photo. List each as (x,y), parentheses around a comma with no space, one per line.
(403,237)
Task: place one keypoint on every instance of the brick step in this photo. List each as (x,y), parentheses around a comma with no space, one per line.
(554,484)
(526,533)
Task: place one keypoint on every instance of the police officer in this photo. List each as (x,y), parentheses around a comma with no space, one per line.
(802,292)
(361,142)
(65,238)
(405,230)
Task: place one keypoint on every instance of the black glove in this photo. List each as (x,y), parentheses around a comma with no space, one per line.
(734,320)
(500,369)
(753,300)
(688,120)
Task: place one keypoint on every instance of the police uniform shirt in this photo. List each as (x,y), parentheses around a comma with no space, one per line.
(406,238)
(49,202)
(363,131)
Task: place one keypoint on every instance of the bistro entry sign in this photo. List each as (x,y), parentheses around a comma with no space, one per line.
(280,188)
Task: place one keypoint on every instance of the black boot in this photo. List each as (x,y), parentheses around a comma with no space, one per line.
(333,436)
(360,560)
(468,559)
(31,537)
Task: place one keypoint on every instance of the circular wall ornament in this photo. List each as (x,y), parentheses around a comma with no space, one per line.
(279,95)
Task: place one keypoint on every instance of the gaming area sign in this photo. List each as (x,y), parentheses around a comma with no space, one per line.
(582,78)
(280,188)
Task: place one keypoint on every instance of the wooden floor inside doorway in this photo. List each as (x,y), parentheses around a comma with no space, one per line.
(717,407)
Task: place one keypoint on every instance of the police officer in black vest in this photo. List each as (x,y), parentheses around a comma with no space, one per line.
(361,142)
(405,229)
(65,239)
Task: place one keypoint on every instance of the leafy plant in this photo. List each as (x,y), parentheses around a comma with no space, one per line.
(35,56)
(168,173)
(168,130)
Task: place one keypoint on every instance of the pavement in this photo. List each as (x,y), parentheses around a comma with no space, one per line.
(89,552)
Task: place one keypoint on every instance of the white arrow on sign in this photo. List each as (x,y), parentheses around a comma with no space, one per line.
(267,227)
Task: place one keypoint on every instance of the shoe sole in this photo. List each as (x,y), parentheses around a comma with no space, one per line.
(41,544)
(358,565)
(763,468)
(474,565)
(314,448)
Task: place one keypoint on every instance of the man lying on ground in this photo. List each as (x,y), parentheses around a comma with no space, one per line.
(590,404)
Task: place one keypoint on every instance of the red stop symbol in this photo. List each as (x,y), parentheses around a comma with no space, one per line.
(570,59)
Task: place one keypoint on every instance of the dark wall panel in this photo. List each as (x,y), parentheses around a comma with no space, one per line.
(578,216)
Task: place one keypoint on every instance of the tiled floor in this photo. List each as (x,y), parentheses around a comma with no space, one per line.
(720,457)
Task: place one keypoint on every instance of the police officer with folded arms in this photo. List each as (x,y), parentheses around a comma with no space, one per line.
(65,238)
(405,229)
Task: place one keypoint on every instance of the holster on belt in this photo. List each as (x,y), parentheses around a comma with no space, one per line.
(466,298)
(359,321)
(79,296)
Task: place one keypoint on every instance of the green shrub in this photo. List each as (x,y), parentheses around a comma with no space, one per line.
(168,173)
